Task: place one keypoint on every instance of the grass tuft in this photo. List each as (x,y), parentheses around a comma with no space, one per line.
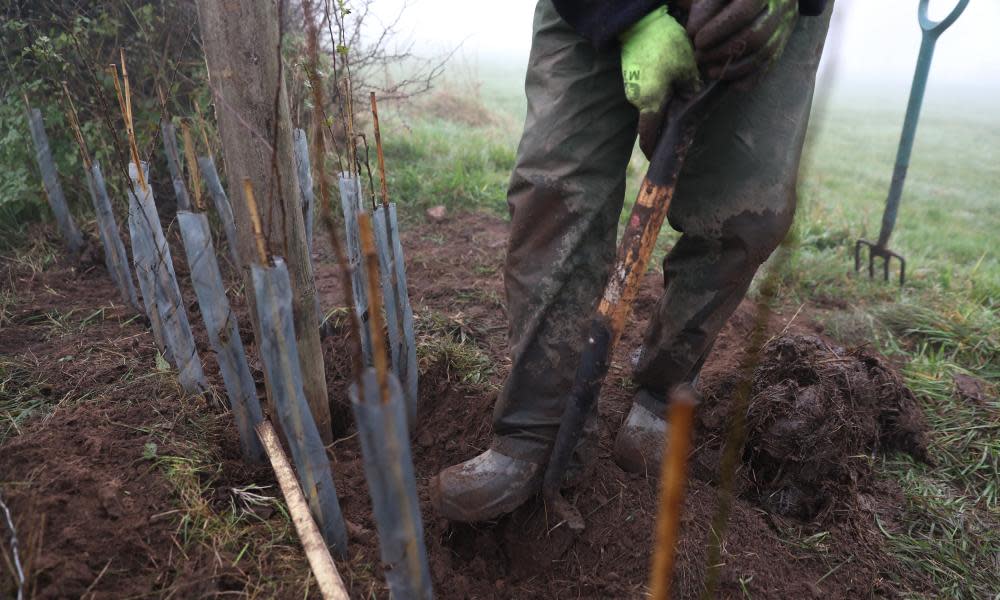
(444,340)
(256,552)
(23,395)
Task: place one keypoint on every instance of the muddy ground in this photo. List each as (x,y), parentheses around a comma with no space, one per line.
(129,489)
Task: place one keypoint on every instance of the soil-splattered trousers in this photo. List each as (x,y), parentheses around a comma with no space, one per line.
(734,203)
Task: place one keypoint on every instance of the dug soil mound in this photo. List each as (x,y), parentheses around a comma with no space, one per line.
(817,415)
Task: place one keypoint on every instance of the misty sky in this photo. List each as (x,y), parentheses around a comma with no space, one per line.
(878,39)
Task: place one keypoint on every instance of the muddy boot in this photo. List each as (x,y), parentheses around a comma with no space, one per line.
(493,484)
(640,441)
(484,487)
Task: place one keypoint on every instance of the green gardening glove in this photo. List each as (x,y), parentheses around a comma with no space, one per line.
(658,63)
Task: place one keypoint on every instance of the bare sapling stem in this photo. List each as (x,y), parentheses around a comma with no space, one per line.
(384,187)
(325,208)
(163,100)
(352,149)
(74,123)
(375,320)
(125,104)
(673,478)
(192,162)
(203,129)
(378,150)
(347,91)
(258,228)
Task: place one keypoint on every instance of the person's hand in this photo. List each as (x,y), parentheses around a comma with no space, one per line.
(735,40)
(658,63)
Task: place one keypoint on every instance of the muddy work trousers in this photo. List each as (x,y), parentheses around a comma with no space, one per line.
(734,203)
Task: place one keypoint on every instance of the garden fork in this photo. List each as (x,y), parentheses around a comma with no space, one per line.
(931,31)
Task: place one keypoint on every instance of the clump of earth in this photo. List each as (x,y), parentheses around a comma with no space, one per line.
(817,416)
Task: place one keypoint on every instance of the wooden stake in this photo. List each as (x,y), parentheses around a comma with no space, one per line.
(331,586)
(381,157)
(375,319)
(673,477)
(258,229)
(192,163)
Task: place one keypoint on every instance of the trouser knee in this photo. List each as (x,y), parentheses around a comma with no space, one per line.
(758,233)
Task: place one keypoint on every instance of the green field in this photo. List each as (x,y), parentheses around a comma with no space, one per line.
(944,322)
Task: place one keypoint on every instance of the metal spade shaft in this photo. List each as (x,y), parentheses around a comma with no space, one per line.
(634,252)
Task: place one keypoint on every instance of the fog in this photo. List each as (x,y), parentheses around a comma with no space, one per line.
(874,42)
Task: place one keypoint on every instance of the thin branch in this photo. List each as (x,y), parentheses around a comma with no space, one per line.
(18,569)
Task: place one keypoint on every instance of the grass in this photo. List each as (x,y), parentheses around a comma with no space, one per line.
(33,256)
(8,302)
(944,536)
(443,162)
(950,530)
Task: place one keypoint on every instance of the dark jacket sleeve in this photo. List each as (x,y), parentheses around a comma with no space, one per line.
(602,21)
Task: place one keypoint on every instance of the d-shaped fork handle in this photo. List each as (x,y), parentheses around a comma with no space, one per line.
(936,28)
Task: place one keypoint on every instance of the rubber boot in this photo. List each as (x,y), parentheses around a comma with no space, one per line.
(484,487)
(642,437)
(493,484)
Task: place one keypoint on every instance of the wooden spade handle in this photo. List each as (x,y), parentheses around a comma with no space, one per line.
(634,251)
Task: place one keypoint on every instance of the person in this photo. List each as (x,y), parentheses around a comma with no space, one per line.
(599,72)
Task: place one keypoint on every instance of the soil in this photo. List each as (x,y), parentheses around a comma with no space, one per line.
(95,514)
(98,518)
(817,414)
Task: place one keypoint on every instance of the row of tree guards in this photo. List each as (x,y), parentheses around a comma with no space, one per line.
(384,394)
